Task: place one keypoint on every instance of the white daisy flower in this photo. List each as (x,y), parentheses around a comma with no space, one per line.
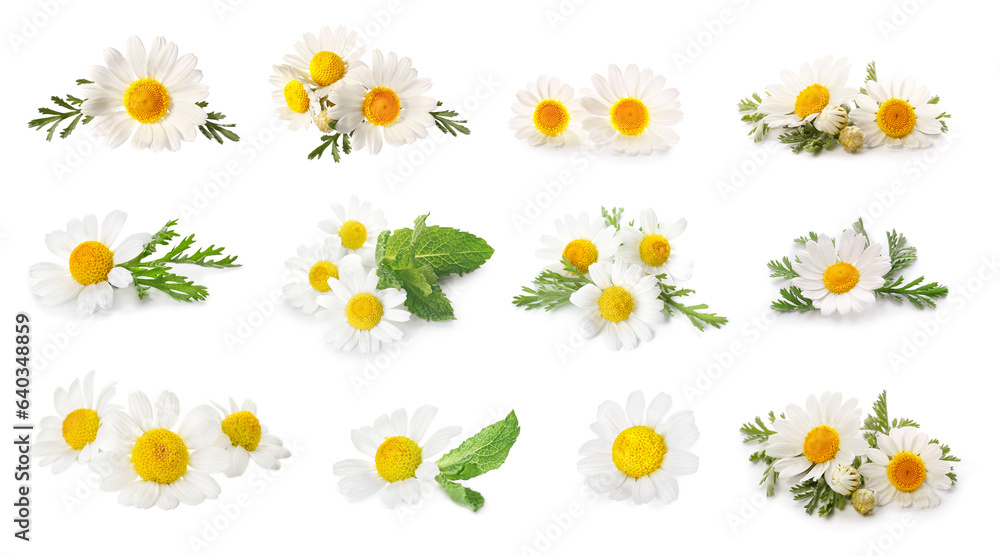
(362,315)
(329,61)
(385,101)
(92,267)
(547,114)
(153,94)
(580,240)
(69,437)
(400,463)
(800,97)
(817,439)
(621,302)
(313,269)
(153,465)
(245,438)
(358,227)
(841,279)
(652,247)
(906,467)
(298,104)
(639,451)
(632,110)
(897,114)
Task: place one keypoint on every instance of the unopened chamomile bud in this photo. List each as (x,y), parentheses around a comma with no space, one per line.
(831,119)
(863,501)
(844,479)
(852,139)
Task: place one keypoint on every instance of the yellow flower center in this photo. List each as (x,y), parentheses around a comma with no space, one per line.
(91,262)
(326,68)
(381,106)
(79,428)
(811,100)
(296,97)
(320,274)
(398,458)
(353,234)
(654,250)
(160,456)
(243,429)
(615,303)
(638,451)
(629,116)
(896,118)
(551,117)
(581,253)
(364,311)
(841,277)
(821,444)
(146,100)
(906,471)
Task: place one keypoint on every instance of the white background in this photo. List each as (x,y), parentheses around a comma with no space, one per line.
(494,357)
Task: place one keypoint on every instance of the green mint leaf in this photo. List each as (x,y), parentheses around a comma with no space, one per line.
(419,281)
(482,452)
(433,307)
(460,494)
(450,251)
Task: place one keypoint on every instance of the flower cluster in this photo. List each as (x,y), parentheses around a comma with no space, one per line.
(639,451)
(401,461)
(629,110)
(325,83)
(851,275)
(96,264)
(817,110)
(834,459)
(143,454)
(364,279)
(154,97)
(624,276)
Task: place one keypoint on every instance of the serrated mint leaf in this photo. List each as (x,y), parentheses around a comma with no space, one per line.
(396,243)
(386,279)
(383,238)
(418,226)
(450,251)
(431,307)
(416,281)
(461,494)
(482,452)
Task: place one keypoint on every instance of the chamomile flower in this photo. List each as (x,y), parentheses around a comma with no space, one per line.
(152,94)
(362,315)
(547,114)
(632,110)
(329,61)
(357,226)
(640,451)
(652,248)
(841,279)
(385,101)
(245,438)
(92,267)
(297,103)
(897,113)
(399,463)
(69,437)
(906,467)
(580,240)
(622,303)
(153,465)
(313,269)
(802,96)
(817,439)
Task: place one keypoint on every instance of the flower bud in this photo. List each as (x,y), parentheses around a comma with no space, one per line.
(323,122)
(863,501)
(831,119)
(844,479)
(852,139)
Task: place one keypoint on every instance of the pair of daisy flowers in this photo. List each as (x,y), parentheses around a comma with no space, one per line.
(631,111)
(819,109)
(336,280)
(324,82)
(144,454)
(154,97)
(822,443)
(638,453)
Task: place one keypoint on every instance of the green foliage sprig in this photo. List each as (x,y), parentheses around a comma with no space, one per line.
(148,273)
(485,451)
